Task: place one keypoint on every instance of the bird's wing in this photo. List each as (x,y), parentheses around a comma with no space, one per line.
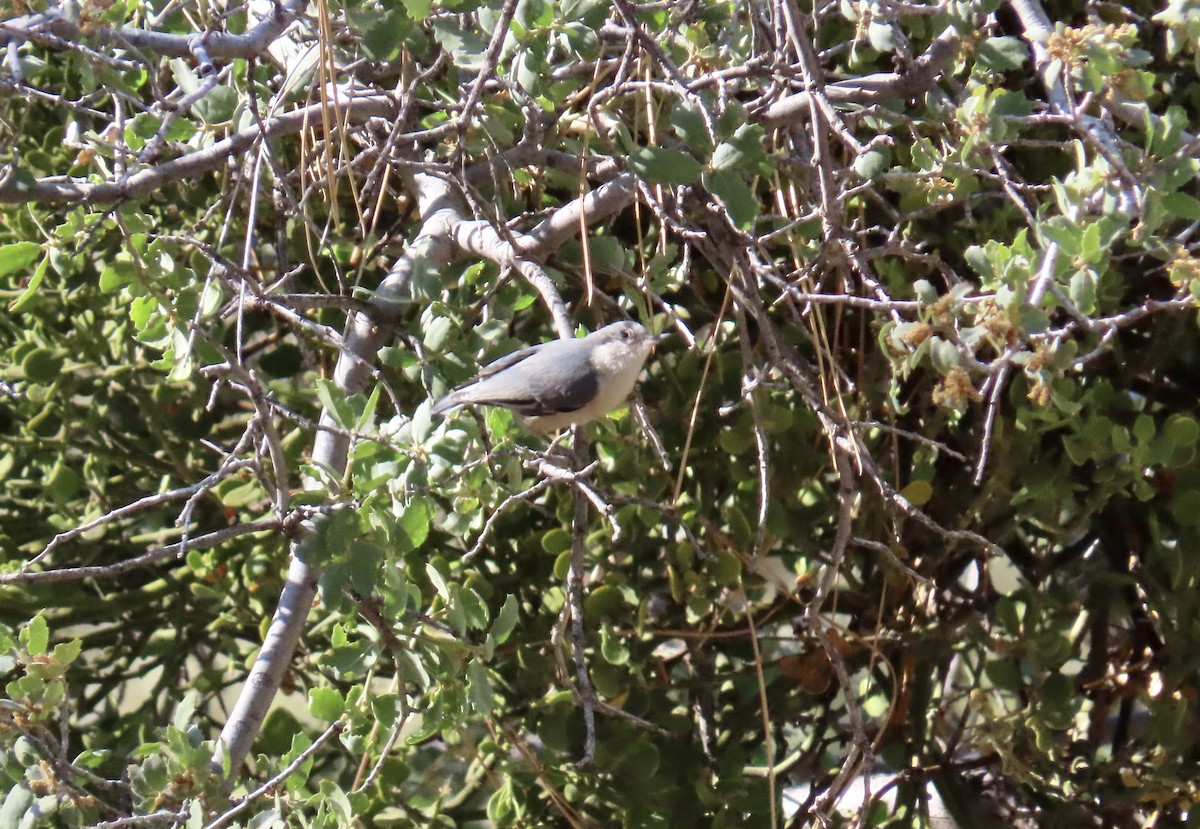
(562,385)
(464,393)
(507,360)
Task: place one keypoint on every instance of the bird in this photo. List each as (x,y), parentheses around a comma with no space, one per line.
(561,383)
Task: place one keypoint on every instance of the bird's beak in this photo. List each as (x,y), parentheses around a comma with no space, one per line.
(655,340)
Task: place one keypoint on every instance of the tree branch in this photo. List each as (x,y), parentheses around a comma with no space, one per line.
(77,190)
(35,28)
(146,559)
(366,335)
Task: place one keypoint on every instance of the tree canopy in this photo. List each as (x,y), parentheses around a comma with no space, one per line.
(906,505)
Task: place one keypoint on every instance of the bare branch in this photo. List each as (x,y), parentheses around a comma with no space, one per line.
(356,109)
(52,28)
(146,559)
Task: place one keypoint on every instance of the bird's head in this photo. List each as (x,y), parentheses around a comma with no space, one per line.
(620,347)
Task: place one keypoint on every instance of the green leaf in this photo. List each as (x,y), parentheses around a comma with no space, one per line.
(437,332)
(326,704)
(1001,54)
(873,163)
(67,652)
(556,541)
(979,261)
(875,706)
(240,494)
(335,403)
(15,805)
(605,601)
(266,819)
(1004,675)
(366,419)
(506,620)
(386,708)
(141,310)
(613,647)
(663,165)
(463,45)
(456,614)
(422,421)
(726,568)
(345,662)
(1183,430)
(733,119)
(640,760)
(35,636)
(218,106)
(735,195)
(479,688)
(1186,506)
(1082,290)
(1009,103)
(439,583)
(1009,613)
(607,254)
(743,151)
(117,274)
(690,127)
(382,33)
(41,365)
(1143,428)
(17,255)
(415,521)
(362,566)
(918,493)
(144,125)
(541,14)
(332,538)
(1033,320)
(63,483)
(924,291)
(475,610)
(333,798)
(576,10)
(944,354)
(32,288)
(418,10)
(393,357)
(1091,246)
(1182,206)
(737,439)
(1057,701)
(727,156)
(1067,234)
(609,680)
(501,807)
(186,709)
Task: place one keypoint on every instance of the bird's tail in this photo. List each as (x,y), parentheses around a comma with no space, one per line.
(445,404)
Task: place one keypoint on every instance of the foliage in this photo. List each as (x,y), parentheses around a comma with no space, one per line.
(913,497)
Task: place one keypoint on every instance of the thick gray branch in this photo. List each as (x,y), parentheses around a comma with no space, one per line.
(567,221)
(366,335)
(445,234)
(249,44)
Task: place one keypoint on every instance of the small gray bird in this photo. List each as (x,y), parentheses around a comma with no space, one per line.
(562,382)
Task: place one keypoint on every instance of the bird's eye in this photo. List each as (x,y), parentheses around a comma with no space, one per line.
(627,334)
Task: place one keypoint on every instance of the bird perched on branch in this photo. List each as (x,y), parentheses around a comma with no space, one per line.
(562,382)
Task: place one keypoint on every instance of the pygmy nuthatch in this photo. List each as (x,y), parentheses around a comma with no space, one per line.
(562,382)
